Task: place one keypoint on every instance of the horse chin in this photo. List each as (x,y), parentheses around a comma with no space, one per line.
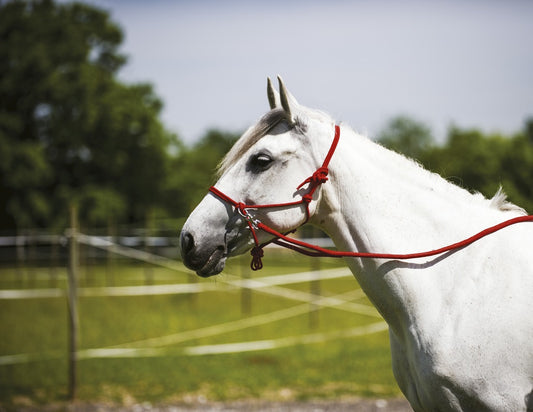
(214,265)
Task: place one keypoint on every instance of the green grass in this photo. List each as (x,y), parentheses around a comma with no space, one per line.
(358,366)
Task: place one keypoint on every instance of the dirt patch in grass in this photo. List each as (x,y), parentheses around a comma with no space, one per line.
(345,405)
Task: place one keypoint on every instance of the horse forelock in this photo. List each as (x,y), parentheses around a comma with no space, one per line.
(253,135)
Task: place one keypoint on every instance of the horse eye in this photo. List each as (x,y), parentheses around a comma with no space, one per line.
(260,162)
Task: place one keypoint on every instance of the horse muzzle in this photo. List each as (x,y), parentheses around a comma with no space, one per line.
(205,262)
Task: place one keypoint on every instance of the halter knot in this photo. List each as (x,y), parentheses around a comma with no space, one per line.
(317,178)
(241,207)
(257,253)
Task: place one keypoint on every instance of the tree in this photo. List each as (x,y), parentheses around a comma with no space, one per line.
(405,135)
(68,129)
(485,162)
(193,170)
(529,129)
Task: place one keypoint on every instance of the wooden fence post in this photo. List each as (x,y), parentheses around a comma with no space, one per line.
(112,232)
(54,259)
(315,288)
(72,300)
(21,257)
(149,231)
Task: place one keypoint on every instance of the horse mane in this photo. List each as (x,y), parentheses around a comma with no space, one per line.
(499,201)
(251,137)
(255,133)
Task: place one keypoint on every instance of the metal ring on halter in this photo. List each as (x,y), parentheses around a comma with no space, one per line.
(249,218)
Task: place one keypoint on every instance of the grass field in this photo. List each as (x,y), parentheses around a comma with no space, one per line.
(316,360)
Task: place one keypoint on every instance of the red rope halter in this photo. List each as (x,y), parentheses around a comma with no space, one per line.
(319,177)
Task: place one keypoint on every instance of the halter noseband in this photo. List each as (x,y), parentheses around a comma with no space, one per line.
(319,177)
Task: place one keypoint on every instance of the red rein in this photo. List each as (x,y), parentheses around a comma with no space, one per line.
(315,180)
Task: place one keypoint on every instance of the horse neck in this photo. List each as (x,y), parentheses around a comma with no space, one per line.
(380,201)
(383,198)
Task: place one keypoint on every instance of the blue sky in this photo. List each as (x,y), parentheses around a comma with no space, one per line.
(462,62)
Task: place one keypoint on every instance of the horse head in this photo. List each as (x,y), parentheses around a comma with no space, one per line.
(266,166)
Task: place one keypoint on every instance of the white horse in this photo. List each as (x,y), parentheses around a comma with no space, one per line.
(460,324)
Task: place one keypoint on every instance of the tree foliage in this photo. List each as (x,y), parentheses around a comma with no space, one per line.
(484,162)
(406,135)
(193,171)
(477,161)
(69,131)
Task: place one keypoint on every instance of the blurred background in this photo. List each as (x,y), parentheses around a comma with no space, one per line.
(113,117)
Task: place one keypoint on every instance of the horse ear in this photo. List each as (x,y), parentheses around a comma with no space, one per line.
(288,102)
(273,95)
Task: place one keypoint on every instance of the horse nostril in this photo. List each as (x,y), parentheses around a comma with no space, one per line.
(187,242)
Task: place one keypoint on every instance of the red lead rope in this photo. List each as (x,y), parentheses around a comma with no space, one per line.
(315,180)
(318,251)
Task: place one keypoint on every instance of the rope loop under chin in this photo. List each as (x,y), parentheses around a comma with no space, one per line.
(257,254)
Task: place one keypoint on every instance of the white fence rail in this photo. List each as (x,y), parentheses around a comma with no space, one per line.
(307,302)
